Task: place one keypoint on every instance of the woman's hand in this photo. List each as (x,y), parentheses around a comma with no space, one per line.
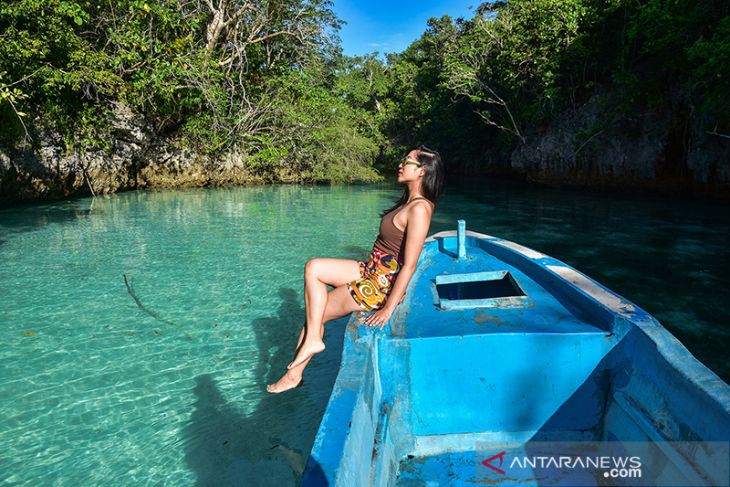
(379,318)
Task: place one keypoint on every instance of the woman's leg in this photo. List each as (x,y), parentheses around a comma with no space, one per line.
(339,303)
(317,274)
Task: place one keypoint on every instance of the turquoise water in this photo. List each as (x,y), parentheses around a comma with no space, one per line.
(169,389)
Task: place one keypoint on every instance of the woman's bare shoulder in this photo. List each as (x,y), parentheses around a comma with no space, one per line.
(420,209)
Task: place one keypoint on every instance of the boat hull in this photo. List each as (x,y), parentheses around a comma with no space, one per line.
(557,357)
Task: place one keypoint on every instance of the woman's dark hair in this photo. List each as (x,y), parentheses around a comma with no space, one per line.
(432,184)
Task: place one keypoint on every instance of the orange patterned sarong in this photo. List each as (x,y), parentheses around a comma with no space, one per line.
(376,280)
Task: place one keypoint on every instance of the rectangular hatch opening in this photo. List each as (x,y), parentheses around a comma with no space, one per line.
(497,289)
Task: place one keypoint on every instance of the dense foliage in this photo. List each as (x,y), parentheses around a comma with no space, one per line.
(268,75)
(212,73)
(476,87)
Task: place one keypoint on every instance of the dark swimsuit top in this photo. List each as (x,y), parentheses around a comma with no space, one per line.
(390,239)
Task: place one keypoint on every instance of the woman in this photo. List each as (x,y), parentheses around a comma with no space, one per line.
(360,286)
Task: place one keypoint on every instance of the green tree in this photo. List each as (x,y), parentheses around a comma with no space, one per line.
(507,59)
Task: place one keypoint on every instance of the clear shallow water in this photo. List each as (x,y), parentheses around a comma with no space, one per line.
(96,388)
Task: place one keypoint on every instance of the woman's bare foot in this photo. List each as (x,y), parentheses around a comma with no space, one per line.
(287,381)
(309,348)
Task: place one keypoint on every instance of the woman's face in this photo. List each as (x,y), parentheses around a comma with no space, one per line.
(408,168)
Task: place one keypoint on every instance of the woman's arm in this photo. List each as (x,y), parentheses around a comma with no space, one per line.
(418,223)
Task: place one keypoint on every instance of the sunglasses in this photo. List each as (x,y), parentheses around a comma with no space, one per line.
(408,160)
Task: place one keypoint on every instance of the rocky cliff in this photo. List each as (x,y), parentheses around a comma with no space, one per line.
(137,159)
(594,146)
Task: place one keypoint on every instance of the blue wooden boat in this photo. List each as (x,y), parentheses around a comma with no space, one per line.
(498,347)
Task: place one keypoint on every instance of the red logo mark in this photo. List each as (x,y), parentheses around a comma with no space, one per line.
(501,458)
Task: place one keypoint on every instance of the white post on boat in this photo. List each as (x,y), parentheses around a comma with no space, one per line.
(461,239)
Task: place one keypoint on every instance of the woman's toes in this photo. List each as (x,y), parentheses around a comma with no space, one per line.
(284,384)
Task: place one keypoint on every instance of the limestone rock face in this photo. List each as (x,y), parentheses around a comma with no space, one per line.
(708,158)
(166,165)
(592,146)
(50,172)
(137,159)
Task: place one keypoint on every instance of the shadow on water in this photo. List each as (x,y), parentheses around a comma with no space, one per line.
(270,445)
(28,217)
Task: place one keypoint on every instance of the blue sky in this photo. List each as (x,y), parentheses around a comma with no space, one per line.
(390,26)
